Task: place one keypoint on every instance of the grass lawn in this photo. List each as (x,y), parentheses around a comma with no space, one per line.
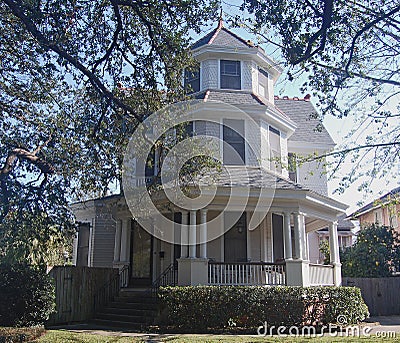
(55,336)
(59,336)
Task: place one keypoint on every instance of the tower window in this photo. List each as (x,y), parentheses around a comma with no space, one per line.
(192,80)
(230,74)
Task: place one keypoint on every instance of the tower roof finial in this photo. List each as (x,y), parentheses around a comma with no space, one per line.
(221,20)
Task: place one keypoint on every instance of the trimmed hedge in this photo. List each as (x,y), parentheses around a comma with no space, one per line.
(201,307)
(27,295)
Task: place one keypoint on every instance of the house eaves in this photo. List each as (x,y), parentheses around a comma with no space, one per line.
(249,103)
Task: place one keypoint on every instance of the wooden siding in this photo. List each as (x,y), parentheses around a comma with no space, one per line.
(312,176)
(103,241)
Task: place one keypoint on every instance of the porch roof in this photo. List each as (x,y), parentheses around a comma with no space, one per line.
(260,178)
(244,176)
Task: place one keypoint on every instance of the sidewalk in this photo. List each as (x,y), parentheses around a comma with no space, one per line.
(384,323)
(377,325)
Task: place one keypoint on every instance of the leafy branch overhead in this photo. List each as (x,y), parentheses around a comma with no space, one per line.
(76,77)
(346,54)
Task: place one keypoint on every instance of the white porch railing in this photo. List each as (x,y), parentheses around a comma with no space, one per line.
(246,273)
(321,275)
(143,181)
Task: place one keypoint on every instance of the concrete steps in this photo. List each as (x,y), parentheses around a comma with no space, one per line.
(135,310)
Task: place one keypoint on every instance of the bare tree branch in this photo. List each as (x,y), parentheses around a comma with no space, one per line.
(44,42)
(320,34)
(346,151)
(364,29)
(362,76)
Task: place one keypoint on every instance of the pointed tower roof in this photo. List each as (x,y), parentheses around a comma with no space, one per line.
(223,41)
(221,36)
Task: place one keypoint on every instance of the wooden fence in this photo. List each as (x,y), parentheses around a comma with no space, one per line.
(75,291)
(380,294)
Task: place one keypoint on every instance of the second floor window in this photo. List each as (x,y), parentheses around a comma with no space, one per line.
(378,216)
(393,213)
(192,80)
(292,166)
(230,74)
(262,83)
(275,146)
(233,131)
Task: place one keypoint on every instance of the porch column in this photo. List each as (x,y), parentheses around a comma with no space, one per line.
(334,254)
(125,235)
(333,243)
(193,270)
(303,237)
(203,233)
(117,241)
(298,268)
(192,234)
(184,235)
(298,246)
(287,236)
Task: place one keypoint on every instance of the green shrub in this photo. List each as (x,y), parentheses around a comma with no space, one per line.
(202,307)
(27,295)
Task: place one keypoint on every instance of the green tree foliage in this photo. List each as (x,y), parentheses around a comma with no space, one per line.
(346,54)
(376,253)
(325,251)
(75,78)
(27,295)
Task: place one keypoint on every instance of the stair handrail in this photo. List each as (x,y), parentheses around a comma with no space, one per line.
(110,289)
(168,277)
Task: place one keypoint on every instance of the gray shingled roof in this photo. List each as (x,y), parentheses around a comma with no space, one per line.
(309,128)
(235,97)
(244,176)
(230,97)
(222,37)
(344,225)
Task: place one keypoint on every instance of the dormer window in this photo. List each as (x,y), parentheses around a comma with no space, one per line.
(192,80)
(230,74)
(262,83)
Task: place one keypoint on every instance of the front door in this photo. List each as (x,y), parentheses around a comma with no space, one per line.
(277,232)
(141,256)
(235,241)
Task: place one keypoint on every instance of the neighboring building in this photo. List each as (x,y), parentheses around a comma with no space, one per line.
(382,211)
(346,238)
(278,251)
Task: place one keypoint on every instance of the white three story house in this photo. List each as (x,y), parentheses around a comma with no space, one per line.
(281,248)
